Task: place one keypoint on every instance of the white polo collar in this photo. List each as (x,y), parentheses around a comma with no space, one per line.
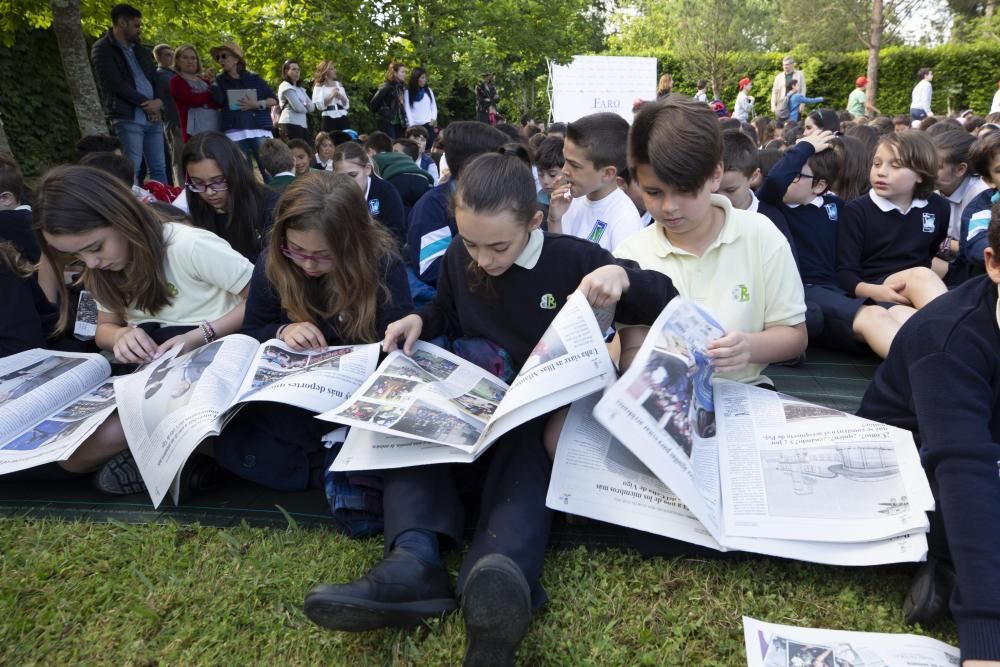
(532,251)
(754,203)
(885,205)
(817,201)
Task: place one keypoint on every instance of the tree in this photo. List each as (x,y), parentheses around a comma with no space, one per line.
(76,63)
(874,47)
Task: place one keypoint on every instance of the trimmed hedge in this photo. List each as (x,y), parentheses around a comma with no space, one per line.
(965,76)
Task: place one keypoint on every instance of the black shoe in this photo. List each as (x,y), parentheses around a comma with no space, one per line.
(927,600)
(119,476)
(496,604)
(399,592)
(201,474)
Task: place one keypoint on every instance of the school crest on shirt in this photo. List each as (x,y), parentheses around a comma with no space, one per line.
(929,223)
(597,233)
(172,289)
(741,293)
(548,302)
(374,206)
(831,211)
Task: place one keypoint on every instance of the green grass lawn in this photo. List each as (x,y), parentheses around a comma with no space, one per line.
(115,594)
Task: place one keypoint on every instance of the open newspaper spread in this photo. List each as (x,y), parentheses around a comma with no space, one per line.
(434,407)
(772,645)
(759,471)
(50,402)
(168,408)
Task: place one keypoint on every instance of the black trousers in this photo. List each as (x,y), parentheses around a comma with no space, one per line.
(513,519)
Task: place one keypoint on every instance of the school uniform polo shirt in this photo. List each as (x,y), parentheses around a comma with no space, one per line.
(607,222)
(747,277)
(969,189)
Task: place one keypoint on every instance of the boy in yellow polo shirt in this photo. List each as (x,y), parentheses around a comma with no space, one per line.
(733,262)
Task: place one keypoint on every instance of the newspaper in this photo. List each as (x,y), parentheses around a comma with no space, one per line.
(50,403)
(596,476)
(433,397)
(752,464)
(772,645)
(168,408)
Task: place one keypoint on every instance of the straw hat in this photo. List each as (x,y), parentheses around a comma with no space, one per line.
(232,47)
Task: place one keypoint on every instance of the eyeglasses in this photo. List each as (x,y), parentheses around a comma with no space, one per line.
(801,174)
(302,257)
(215,185)
(222,56)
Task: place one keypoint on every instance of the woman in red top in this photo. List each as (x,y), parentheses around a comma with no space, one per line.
(192,94)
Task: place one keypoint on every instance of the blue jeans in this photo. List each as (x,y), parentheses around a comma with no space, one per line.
(251,148)
(144,140)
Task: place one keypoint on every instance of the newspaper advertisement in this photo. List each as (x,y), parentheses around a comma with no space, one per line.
(662,409)
(773,645)
(795,470)
(436,397)
(594,475)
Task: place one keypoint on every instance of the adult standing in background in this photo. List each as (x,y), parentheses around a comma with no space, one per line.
(330,97)
(295,104)
(920,99)
(197,110)
(164,55)
(245,120)
(127,76)
(387,102)
(995,107)
(665,85)
(857,101)
(783,82)
(420,105)
(486,100)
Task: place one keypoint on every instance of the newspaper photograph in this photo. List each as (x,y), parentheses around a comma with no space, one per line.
(662,408)
(784,460)
(773,645)
(370,450)
(437,397)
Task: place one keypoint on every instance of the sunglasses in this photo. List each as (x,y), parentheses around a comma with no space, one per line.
(222,56)
(215,185)
(302,257)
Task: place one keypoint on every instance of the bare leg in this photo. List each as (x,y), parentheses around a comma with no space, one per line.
(876,327)
(922,285)
(902,313)
(553,427)
(939,267)
(104,443)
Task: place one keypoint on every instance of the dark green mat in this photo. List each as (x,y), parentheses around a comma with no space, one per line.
(829,378)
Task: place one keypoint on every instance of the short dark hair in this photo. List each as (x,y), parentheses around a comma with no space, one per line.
(550,154)
(301,144)
(602,137)
(410,147)
(739,153)
(417,131)
(276,157)
(883,125)
(826,165)
(10,177)
(923,71)
(556,128)
(512,132)
(465,139)
(826,119)
(768,158)
(915,151)
(994,229)
(380,142)
(953,146)
(119,166)
(982,151)
(124,11)
(701,83)
(901,120)
(679,139)
(97,143)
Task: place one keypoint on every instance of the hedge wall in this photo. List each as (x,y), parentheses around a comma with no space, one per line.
(965,76)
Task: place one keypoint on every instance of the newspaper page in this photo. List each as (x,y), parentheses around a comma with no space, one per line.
(773,645)
(315,380)
(799,471)
(370,450)
(438,397)
(36,383)
(594,475)
(662,409)
(168,408)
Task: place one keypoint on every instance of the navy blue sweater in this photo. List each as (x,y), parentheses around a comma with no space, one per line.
(264,314)
(386,206)
(259,119)
(15,226)
(970,252)
(514,309)
(872,243)
(28,318)
(813,228)
(775,215)
(941,381)
(429,232)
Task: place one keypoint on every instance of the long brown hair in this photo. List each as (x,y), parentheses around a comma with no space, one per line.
(333,206)
(76,200)
(11,260)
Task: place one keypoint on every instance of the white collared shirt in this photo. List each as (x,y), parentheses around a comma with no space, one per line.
(816,201)
(970,187)
(532,251)
(754,203)
(885,205)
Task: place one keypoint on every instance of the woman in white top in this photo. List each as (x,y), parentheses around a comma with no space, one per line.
(920,99)
(329,96)
(419,104)
(744,102)
(294,102)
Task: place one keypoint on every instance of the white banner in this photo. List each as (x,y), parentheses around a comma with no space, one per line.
(592,84)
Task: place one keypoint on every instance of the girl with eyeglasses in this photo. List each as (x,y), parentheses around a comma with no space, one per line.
(330,275)
(223,195)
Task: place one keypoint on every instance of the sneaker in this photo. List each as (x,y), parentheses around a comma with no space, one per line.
(119,476)
(927,600)
(400,592)
(496,604)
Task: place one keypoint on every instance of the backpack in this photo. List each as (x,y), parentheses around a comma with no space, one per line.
(783,110)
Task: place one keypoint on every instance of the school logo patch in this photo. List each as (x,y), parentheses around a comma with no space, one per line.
(741,293)
(548,302)
(831,212)
(597,233)
(374,206)
(929,223)
(172,289)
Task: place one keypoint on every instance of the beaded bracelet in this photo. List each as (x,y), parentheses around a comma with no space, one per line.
(207,332)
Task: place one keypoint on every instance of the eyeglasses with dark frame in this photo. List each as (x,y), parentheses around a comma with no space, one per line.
(215,185)
(801,174)
(302,257)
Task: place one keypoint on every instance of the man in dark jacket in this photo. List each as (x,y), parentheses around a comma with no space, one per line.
(131,90)
(486,99)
